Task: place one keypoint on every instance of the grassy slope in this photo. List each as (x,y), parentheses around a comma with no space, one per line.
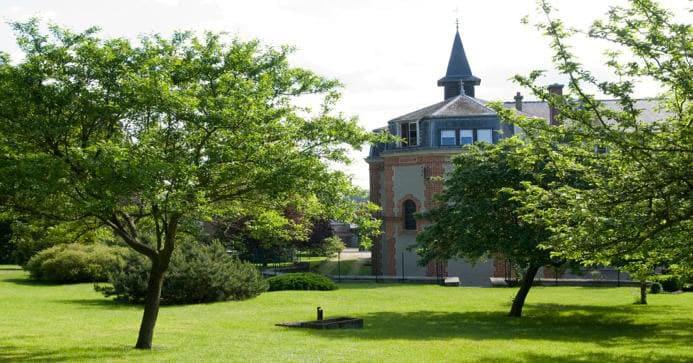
(403,323)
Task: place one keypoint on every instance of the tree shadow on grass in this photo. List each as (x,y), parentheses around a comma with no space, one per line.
(10,268)
(30,282)
(108,303)
(11,353)
(660,356)
(606,326)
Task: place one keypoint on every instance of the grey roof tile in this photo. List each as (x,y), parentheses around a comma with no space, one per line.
(649,108)
(459,106)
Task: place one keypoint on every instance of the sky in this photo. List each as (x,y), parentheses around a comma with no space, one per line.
(388,53)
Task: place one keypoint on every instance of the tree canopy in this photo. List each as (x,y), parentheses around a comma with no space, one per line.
(151,137)
(476,216)
(635,206)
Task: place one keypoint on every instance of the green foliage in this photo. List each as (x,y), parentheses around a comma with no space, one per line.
(634,208)
(75,262)
(670,283)
(197,274)
(301,281)
(476,216)
(150,137)
(332,246)
(29,238)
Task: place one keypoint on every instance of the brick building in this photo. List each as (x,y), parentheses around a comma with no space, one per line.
(403,175)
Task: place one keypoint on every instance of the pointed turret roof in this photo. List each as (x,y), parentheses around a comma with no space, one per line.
(458,65)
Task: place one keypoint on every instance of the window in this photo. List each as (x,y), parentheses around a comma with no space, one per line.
(484,135)
(409,209)
(447,138)
(466,137)
(600,149)
(409,132)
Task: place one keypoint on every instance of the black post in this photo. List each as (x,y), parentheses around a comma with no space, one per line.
(618,278)
(402,266)
(320,313)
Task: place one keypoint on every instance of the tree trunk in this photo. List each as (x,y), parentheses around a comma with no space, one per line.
(519,300)
(643,292)
(151,307)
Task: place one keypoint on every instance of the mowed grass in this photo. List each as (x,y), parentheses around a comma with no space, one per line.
(404,323)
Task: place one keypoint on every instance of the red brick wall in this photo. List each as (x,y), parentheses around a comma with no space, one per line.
(374,169)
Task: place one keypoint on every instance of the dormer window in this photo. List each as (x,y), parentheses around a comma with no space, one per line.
(447,138)
(484,135)
(466,137)
(409,131)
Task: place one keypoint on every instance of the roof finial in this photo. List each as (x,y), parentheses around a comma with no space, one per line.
(457,18)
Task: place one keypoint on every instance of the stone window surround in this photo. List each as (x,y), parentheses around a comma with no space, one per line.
(399,216)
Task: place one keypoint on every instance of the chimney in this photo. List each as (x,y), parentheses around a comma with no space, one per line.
(518,101)
(557,90)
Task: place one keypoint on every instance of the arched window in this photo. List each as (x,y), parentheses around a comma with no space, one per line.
(409,209)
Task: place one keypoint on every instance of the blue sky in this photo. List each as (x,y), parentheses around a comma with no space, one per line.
(388,53)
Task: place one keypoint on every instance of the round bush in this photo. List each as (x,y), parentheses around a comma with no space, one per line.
(670,283)
(197,274)
(74,262)
(655,288)
(301,281)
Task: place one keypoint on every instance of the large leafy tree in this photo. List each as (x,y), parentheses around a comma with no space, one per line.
(150,137)
(476,216)
(635,209)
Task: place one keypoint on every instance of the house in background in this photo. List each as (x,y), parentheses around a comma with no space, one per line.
(347,232)
(404,176)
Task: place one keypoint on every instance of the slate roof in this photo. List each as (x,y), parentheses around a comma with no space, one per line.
(649,113)
(458,65)
(459,106)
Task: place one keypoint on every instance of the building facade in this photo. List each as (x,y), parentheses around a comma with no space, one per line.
(405,176)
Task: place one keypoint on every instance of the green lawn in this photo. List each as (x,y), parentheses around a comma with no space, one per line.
(404,323)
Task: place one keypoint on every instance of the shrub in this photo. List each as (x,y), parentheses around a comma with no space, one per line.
(30,237)
(670,283)
(197,273)
(74,262)
(332,246)
(301,281)
(655,288)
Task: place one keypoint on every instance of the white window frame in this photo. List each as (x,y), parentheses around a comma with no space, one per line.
(411,125)
(490,135)
(471,136)
(454,137)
